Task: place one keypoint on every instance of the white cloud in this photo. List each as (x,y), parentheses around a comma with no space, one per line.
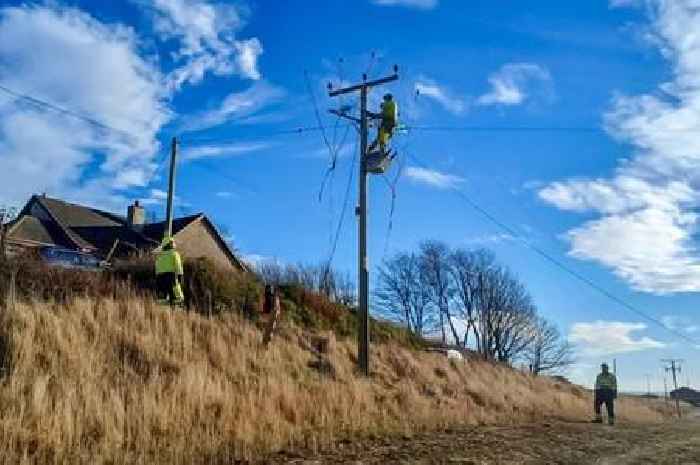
(420,4)
(445,98)
(236,106)
(611,337)
(206,32)
(679,323)
(510,85)
(224,150)
(99,73)
(646,232)
(491,239)
(159,194)
(432,178)
(225,194)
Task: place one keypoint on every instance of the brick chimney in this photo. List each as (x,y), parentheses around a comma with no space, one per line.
(136,216)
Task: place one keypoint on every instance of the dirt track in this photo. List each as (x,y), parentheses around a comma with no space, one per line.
(673,443)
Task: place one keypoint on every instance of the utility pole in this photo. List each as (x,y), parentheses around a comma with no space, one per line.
(648,377)
(665,391)
(361,211)
(615,366)
(171,189)
(674,366)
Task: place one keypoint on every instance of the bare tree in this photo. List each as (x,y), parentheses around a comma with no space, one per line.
(548,351)
(435,268)
(465,269)
(402,292)
(318,278)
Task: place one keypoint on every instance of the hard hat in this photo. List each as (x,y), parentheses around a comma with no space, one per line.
(388,96)
(604,365)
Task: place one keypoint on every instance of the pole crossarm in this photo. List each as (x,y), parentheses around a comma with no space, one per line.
(356,87)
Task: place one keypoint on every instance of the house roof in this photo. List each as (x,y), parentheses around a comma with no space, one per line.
(76,226)
(155,231)
(90,228)
(32,229)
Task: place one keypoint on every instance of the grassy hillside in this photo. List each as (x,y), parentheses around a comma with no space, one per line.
(101,382)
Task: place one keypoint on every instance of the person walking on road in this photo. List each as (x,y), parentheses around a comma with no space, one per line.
(605,393)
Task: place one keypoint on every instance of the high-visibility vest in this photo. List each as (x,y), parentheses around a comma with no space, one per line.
(169,261)
(390,111)
(606,381)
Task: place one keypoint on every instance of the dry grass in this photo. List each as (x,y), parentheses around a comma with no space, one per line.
(100,382)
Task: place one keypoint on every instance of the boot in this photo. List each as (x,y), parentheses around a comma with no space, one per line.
(611,421)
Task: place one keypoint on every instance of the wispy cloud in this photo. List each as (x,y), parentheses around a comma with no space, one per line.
(491,239)
(419,4)
(237,106)
(224,150)
(432,178)
(647,208)
(206,33)
(611,337)
(440,94)
(680,323)
(225,194)
(511,85)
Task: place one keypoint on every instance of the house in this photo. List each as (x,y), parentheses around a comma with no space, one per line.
(48,222)
(688,395)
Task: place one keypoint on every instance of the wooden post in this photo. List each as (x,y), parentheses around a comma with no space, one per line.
(273,308)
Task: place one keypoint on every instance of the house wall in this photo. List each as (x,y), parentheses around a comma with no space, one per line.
(196,241)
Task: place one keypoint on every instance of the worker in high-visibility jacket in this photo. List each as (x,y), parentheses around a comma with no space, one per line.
(389,117)
(169,272)
(605,393)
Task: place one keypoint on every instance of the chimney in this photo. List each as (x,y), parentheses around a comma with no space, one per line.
(136,216)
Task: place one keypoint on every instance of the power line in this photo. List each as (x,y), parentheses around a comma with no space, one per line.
(579,129)
(37,102)
(208,140)
(559,264)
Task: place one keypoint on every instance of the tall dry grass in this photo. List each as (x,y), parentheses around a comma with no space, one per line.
(104,382)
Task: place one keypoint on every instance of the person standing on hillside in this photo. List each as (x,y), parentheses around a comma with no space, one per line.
(169,272)
(605,393)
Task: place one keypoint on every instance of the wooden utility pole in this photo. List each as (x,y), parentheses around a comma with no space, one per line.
(648,377)
(361,211)
(674,366)
(171,189)
(665,391)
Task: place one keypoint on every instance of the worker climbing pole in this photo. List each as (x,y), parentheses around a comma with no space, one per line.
(377,162)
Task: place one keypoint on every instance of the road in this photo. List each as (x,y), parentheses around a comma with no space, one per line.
(671,443)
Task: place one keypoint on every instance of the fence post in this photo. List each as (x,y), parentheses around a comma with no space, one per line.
(272,304)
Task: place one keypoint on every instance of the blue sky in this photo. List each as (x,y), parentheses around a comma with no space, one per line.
(614,198)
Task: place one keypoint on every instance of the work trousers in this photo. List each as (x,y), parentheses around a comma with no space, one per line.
(165,282)
(607,397)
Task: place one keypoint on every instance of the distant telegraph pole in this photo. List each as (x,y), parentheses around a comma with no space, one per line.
(363,266)
(674,366)
(648,377)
